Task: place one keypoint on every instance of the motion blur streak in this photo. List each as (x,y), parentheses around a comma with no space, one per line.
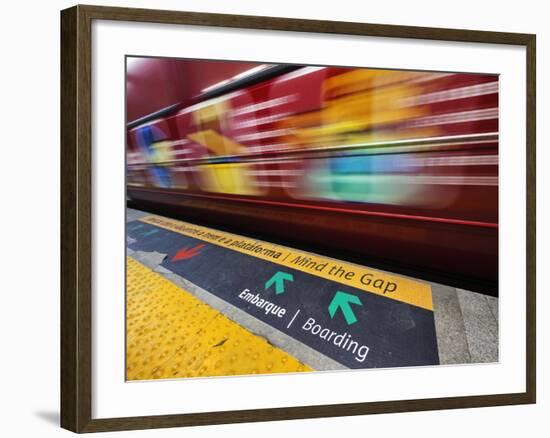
(389,143)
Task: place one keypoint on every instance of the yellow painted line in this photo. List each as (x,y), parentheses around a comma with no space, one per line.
(391,286)
(172,334)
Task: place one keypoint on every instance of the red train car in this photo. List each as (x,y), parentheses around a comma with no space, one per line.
(396,165)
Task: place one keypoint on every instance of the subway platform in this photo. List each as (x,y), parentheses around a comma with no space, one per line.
(203,302)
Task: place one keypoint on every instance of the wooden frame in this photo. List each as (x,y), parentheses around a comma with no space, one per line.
(76,173)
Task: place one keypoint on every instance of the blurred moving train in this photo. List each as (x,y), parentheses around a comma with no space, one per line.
(395,165)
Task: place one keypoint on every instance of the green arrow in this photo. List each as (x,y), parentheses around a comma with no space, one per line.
(342,300)
(279,280)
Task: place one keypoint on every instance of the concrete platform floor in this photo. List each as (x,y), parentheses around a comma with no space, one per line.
(466,323)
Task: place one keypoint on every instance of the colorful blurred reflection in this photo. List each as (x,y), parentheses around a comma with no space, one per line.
(423,140)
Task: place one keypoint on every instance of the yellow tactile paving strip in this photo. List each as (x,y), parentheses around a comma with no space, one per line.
(172,334)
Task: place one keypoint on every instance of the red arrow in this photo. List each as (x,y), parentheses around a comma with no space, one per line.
(186,253)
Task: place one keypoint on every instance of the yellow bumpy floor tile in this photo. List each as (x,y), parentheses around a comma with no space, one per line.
(171,334)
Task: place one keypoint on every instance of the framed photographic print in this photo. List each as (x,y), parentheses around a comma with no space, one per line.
(305,218)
